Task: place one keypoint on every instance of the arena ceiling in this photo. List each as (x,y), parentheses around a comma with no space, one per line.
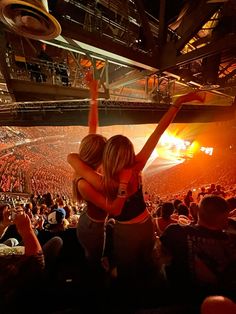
(143,53)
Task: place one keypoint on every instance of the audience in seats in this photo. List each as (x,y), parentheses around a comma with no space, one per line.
(203,256)
(211,189)
(188,198)
(201,252)
(160,223)
(201,194)
(176,202)
(72,216)
(183,215)
(171,181)
(219,191)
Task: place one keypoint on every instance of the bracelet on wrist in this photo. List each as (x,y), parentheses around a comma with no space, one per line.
(122,193)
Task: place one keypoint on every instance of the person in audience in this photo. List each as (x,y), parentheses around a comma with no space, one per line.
(160,223)
(183,214)
(6,220)
(90,228)
(48,199)
(211,189)
(193,209)
(201,194)
(202,255)
(56,220)
(55,225)
(51,246)
(18,273)
(188,198)
(176,202)
(218,304)
(133,231)
(71,216)
(90,225)
(219,191)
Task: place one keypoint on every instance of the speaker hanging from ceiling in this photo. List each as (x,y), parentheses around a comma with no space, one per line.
(29,18)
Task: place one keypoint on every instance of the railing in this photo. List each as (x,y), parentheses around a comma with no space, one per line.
(40,71)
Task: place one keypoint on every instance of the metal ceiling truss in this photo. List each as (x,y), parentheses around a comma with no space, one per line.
(141,57)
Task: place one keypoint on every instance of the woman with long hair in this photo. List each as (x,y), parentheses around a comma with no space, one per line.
(90,228)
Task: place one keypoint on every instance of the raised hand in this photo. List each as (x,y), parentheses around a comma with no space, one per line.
(22,222)
(200,96)
(6,215)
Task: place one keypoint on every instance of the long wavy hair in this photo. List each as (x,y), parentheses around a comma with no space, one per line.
(118,154)
(91,152)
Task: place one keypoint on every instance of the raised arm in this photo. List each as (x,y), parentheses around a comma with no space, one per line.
(73,159)
(5,221)
(143,156)
(88,193)
(93,111)
(30,240)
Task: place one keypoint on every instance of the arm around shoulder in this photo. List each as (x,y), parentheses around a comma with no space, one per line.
(83,170)
(89,193)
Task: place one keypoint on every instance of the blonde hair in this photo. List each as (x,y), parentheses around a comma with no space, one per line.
(91,152)
(91,149)
(118,154)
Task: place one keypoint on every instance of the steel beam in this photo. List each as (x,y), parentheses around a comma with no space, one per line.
(110,113)
(170,58)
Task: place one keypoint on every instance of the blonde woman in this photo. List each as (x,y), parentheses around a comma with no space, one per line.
(90,228)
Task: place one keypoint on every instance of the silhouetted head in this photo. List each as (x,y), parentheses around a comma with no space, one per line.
(167,210)
(213,212)
(182,209)
(176,202)
(231,202)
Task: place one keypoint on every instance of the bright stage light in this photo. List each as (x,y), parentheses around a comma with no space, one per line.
(207,150)
(173,147)
(171,151)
